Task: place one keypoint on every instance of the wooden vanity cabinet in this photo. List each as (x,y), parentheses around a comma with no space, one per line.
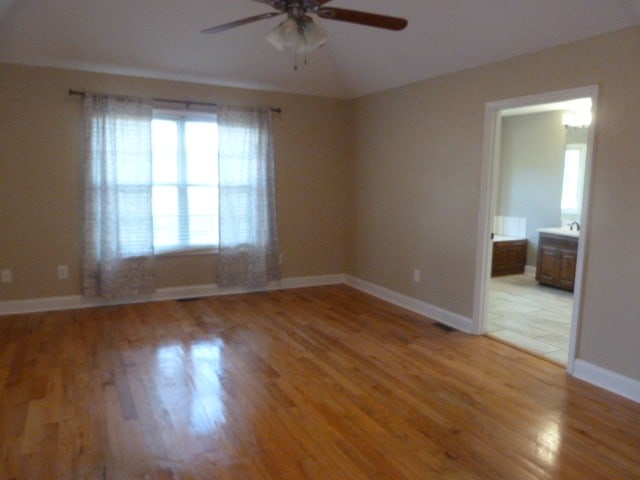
(557,256)
(509,257)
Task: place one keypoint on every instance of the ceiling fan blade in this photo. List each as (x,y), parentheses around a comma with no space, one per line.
(237,23)
(363,18)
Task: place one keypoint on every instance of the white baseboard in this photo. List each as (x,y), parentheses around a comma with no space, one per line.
(530,270)
(603,378)
(438,314)
(71,302)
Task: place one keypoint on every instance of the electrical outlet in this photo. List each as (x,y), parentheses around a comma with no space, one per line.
(63,272)
(6,276)
(416,275)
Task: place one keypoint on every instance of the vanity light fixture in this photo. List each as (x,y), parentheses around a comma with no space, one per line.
(576,119)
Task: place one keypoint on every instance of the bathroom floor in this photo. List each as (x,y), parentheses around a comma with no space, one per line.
(533,317)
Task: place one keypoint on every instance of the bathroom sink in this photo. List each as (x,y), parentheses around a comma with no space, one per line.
(561,231)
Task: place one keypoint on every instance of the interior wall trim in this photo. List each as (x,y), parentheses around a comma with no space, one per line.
(71,302)
(438,314)
(614,382)
(489,197)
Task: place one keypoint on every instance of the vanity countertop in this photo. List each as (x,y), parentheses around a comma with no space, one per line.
(506,238)
(561,231)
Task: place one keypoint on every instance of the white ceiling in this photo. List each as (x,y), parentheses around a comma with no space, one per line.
(160,38)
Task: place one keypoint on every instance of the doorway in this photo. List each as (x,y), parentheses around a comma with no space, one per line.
(522,291)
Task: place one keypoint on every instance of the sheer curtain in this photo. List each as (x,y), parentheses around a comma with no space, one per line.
(248,250)
(118,223)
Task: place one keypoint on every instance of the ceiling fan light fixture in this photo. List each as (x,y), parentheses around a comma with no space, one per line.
(313,36)
(301,34)
(285,35)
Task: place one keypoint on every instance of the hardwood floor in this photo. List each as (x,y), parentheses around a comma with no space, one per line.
(317,383)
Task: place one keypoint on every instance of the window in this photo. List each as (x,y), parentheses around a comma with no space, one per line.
(185,181)
(573,179)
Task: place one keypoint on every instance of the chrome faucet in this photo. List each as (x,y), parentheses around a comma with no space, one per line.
(576,224)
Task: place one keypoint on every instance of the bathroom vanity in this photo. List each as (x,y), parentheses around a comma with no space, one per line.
(557,256)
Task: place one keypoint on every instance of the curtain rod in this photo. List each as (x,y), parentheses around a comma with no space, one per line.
(186,103)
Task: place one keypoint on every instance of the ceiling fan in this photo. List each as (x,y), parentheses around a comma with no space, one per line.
(300,32)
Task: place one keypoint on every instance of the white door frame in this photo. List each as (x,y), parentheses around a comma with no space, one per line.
(488,203)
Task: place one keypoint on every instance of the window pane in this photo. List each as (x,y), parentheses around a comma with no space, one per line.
(203,215)
(203,230)
(166,224)
(570,181)
(165,201)
(202,152)
(165,151)
(165,232)
(203,200)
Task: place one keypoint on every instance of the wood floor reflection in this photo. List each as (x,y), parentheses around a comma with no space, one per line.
(317,383)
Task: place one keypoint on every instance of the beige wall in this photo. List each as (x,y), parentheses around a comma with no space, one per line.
(40,183)
(418,154)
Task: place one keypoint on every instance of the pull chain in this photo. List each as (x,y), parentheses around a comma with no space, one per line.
(305,51)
